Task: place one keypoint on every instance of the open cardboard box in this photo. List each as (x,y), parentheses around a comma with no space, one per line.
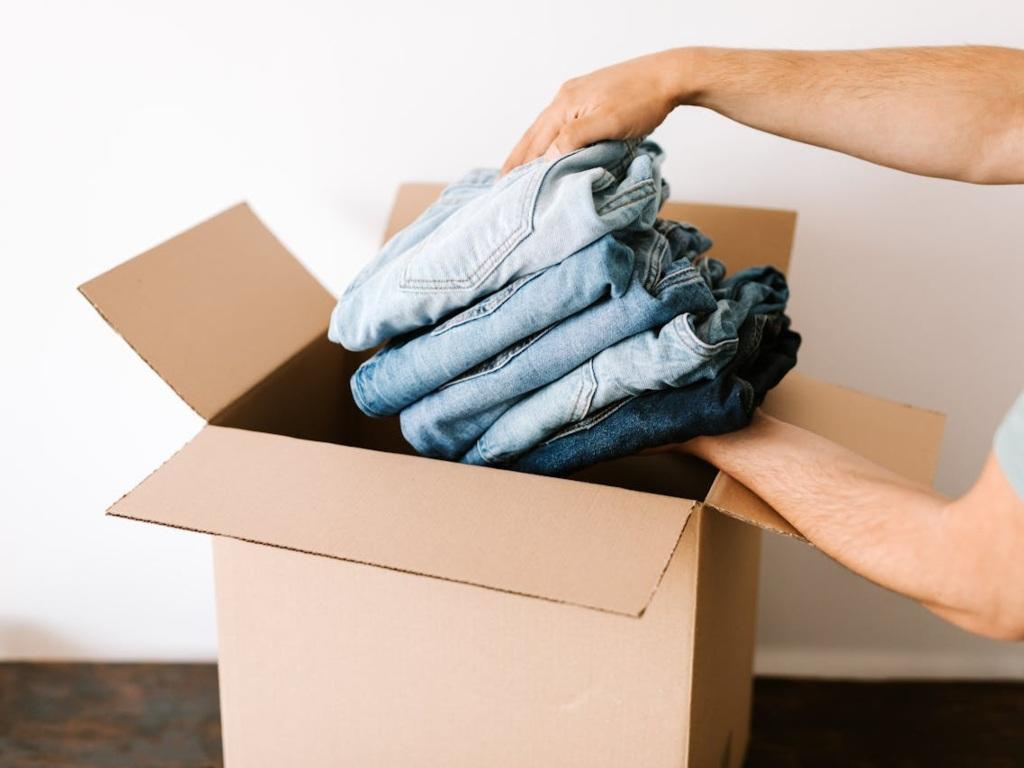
(376,608)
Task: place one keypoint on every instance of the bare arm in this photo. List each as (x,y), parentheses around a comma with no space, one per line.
(962,559)
(955,112)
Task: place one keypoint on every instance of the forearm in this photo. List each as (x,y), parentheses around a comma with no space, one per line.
(903,536)
(950,112)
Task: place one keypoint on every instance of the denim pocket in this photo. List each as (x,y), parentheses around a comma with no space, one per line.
(467,247)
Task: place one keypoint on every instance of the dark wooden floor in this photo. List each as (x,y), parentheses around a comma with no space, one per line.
(165,716)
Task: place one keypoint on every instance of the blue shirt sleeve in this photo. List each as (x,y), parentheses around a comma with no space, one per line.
(1009,446)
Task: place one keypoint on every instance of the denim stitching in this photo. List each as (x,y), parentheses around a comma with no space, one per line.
(359,397)
(593,388)
(622,164)
(607,180)
(644,189)
(683,277)
(486,455)
(489,263)
(490,460)
(689,338)
(584,392)
(482,309)
(655,261)
(589,422)
(580,407)
(522,230)
(483,371)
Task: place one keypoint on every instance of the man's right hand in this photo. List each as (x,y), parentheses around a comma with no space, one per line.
(955,113)
(623,101)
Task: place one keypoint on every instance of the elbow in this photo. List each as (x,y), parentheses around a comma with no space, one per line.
(1007,626)
(999,630)
(996,624)
(996,612)
(999,155)
(990,174)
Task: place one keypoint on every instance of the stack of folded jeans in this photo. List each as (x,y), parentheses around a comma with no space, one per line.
(548,319)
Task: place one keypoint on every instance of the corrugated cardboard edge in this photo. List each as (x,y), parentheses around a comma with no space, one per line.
(689,521)
(82,290)
(776,524)
(724,618)
(188,307)
(113,511)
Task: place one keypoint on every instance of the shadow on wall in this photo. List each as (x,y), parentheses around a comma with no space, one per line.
(32,641)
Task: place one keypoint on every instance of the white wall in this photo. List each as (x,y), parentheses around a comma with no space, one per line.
(123,123)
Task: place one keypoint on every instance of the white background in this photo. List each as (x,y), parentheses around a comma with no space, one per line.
(124,123)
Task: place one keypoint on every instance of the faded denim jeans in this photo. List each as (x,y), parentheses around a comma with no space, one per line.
(664,284)
(486,232)
(411,367)
(685,350)
(766,352)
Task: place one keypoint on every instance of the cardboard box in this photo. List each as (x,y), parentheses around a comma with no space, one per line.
(376,608)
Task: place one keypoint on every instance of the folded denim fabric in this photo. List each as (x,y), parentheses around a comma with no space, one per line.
(761,290)
(685,350)
(485,232)
(767,351)
(664,284)
(671,356)
(411,367)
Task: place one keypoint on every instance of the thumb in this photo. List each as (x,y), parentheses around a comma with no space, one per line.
(576,134)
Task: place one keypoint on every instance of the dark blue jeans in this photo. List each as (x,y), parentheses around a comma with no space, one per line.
(767,352)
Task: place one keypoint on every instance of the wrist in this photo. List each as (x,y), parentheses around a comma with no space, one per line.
(689,75)
(698,447)
(715,449)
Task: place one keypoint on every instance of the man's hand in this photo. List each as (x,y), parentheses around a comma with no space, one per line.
(954,113)
(962,559)
(624,101)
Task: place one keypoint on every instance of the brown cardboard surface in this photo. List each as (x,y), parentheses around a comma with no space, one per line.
(900,437)
(725,624)
(577,543)
(208,311)
(334,647)
(215,309)
(326,663)
(306,397)
(743,237)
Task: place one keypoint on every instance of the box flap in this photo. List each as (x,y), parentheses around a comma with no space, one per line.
(900,437)
(744,237)
(215,309)
(588,545)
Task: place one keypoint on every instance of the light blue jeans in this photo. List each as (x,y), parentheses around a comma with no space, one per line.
(415,365)
(683,351)
(486,232)
(664,284)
